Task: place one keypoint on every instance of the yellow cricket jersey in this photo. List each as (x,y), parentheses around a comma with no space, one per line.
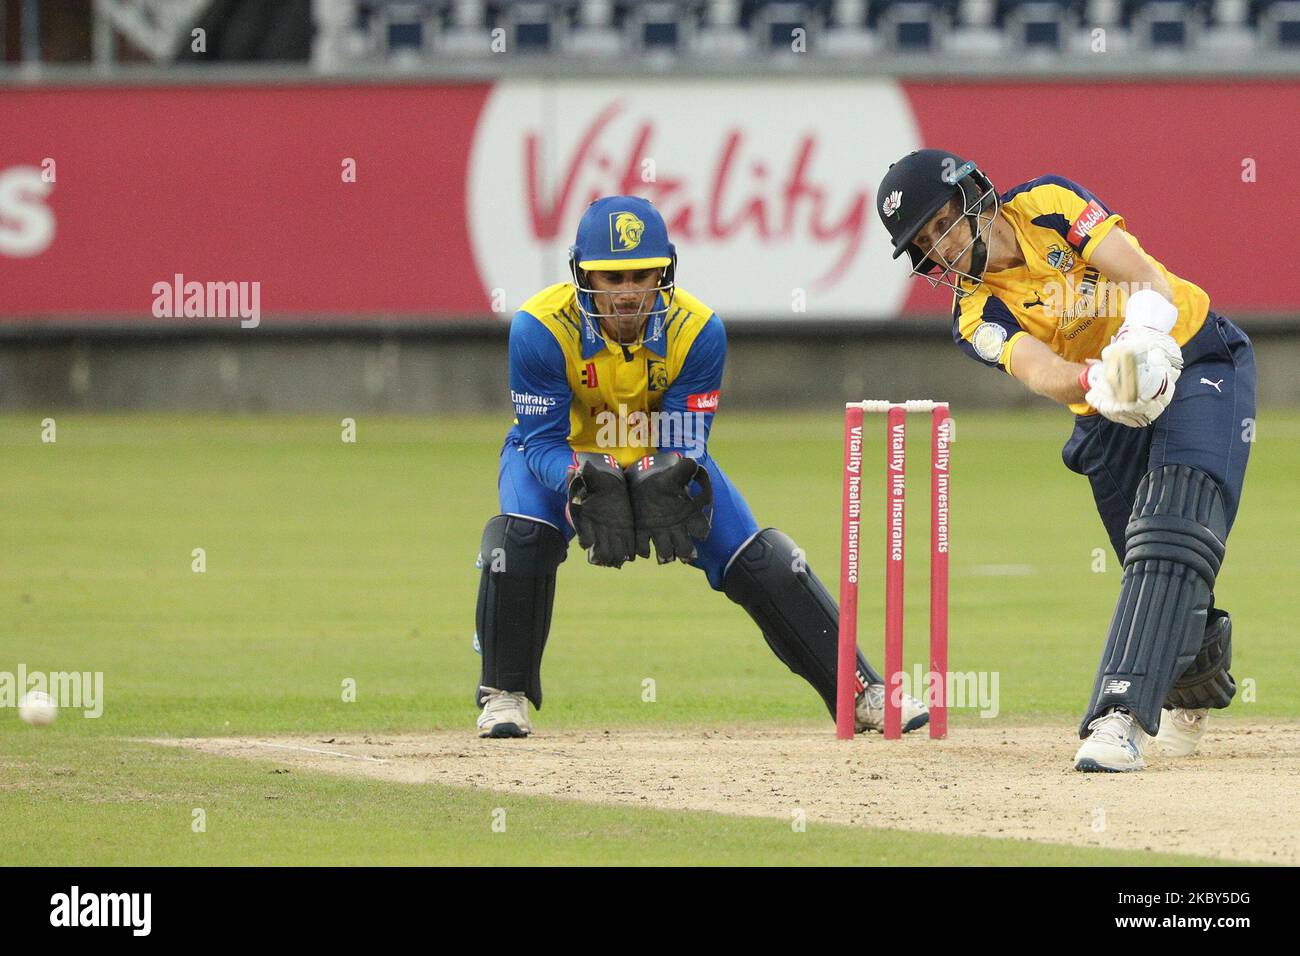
(1057,296)
(573,390)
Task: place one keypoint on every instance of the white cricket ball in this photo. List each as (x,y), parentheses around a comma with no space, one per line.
(38,709)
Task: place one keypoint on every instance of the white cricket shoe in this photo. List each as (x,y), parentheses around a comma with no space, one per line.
(504,714)
(1114,744)
(1181,729)
(870,711)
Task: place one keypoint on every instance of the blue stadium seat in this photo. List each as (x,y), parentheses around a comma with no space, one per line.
(1165,25)
(532,27)
(911,26)
(773,25)
(1279,25)
(1036,25)
(659,28)
(416,30)
(407,31)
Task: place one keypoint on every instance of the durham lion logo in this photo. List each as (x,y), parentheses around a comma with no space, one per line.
(625,231)
(657,375)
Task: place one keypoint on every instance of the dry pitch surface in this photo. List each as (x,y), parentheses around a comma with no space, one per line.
(1237,799)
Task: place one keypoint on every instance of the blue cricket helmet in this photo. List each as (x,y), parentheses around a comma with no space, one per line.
(622,232)
(619,233)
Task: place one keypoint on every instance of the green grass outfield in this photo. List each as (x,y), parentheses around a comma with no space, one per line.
(328,561)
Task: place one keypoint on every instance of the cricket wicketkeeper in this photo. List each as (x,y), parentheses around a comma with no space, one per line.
(1052,289)
(615,378)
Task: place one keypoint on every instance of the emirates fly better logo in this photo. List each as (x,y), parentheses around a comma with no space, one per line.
(765,190)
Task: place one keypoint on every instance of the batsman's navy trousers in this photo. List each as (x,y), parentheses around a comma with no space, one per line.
(1209,425)
(732,523)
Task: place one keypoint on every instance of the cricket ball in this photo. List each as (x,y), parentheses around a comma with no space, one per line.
(38,709)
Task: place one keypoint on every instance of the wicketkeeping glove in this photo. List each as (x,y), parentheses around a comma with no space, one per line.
(599,509)
(665,512)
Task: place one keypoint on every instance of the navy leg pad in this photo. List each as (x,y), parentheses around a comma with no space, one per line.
(519,557)
(799,619)
(1174,547)
(1207,682)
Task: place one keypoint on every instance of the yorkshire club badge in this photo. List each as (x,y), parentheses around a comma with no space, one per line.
(988,341)
(1060,259)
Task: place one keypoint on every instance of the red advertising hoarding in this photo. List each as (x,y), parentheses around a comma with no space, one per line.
(443,201)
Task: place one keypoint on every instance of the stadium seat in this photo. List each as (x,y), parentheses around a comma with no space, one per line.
(596,32)
(406,32)
(774,24)
(1164,25)
(467,33)
(532,27)
(659,28)
(1103,13)
(1279,26)
(910,26)
(845,33)
(1100,28)
(1037,25)
(720,33)
(1231,13)
(337,40)
(417,31)
(1229,30)
(975,31)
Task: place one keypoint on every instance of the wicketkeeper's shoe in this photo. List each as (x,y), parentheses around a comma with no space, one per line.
(870,711)
(1181,729)
(1115,742)
(504,714)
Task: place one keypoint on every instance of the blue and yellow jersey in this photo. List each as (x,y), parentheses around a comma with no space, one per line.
(1057,296)
(574,390)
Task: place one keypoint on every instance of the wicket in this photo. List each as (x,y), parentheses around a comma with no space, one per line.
(895,539)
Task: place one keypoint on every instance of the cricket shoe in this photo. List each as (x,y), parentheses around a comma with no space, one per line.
(1181,729)
(504,714)
(1114,744)
(870,711)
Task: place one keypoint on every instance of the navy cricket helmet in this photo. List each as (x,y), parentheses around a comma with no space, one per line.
(916,188)
(622,233)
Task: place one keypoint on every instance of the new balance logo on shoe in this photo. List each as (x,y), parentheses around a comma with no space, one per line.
(1116,687)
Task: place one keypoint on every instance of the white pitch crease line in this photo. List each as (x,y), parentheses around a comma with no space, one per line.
(313,750)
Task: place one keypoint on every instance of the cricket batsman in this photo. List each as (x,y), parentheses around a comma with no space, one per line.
(1051,288)
(615,378)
